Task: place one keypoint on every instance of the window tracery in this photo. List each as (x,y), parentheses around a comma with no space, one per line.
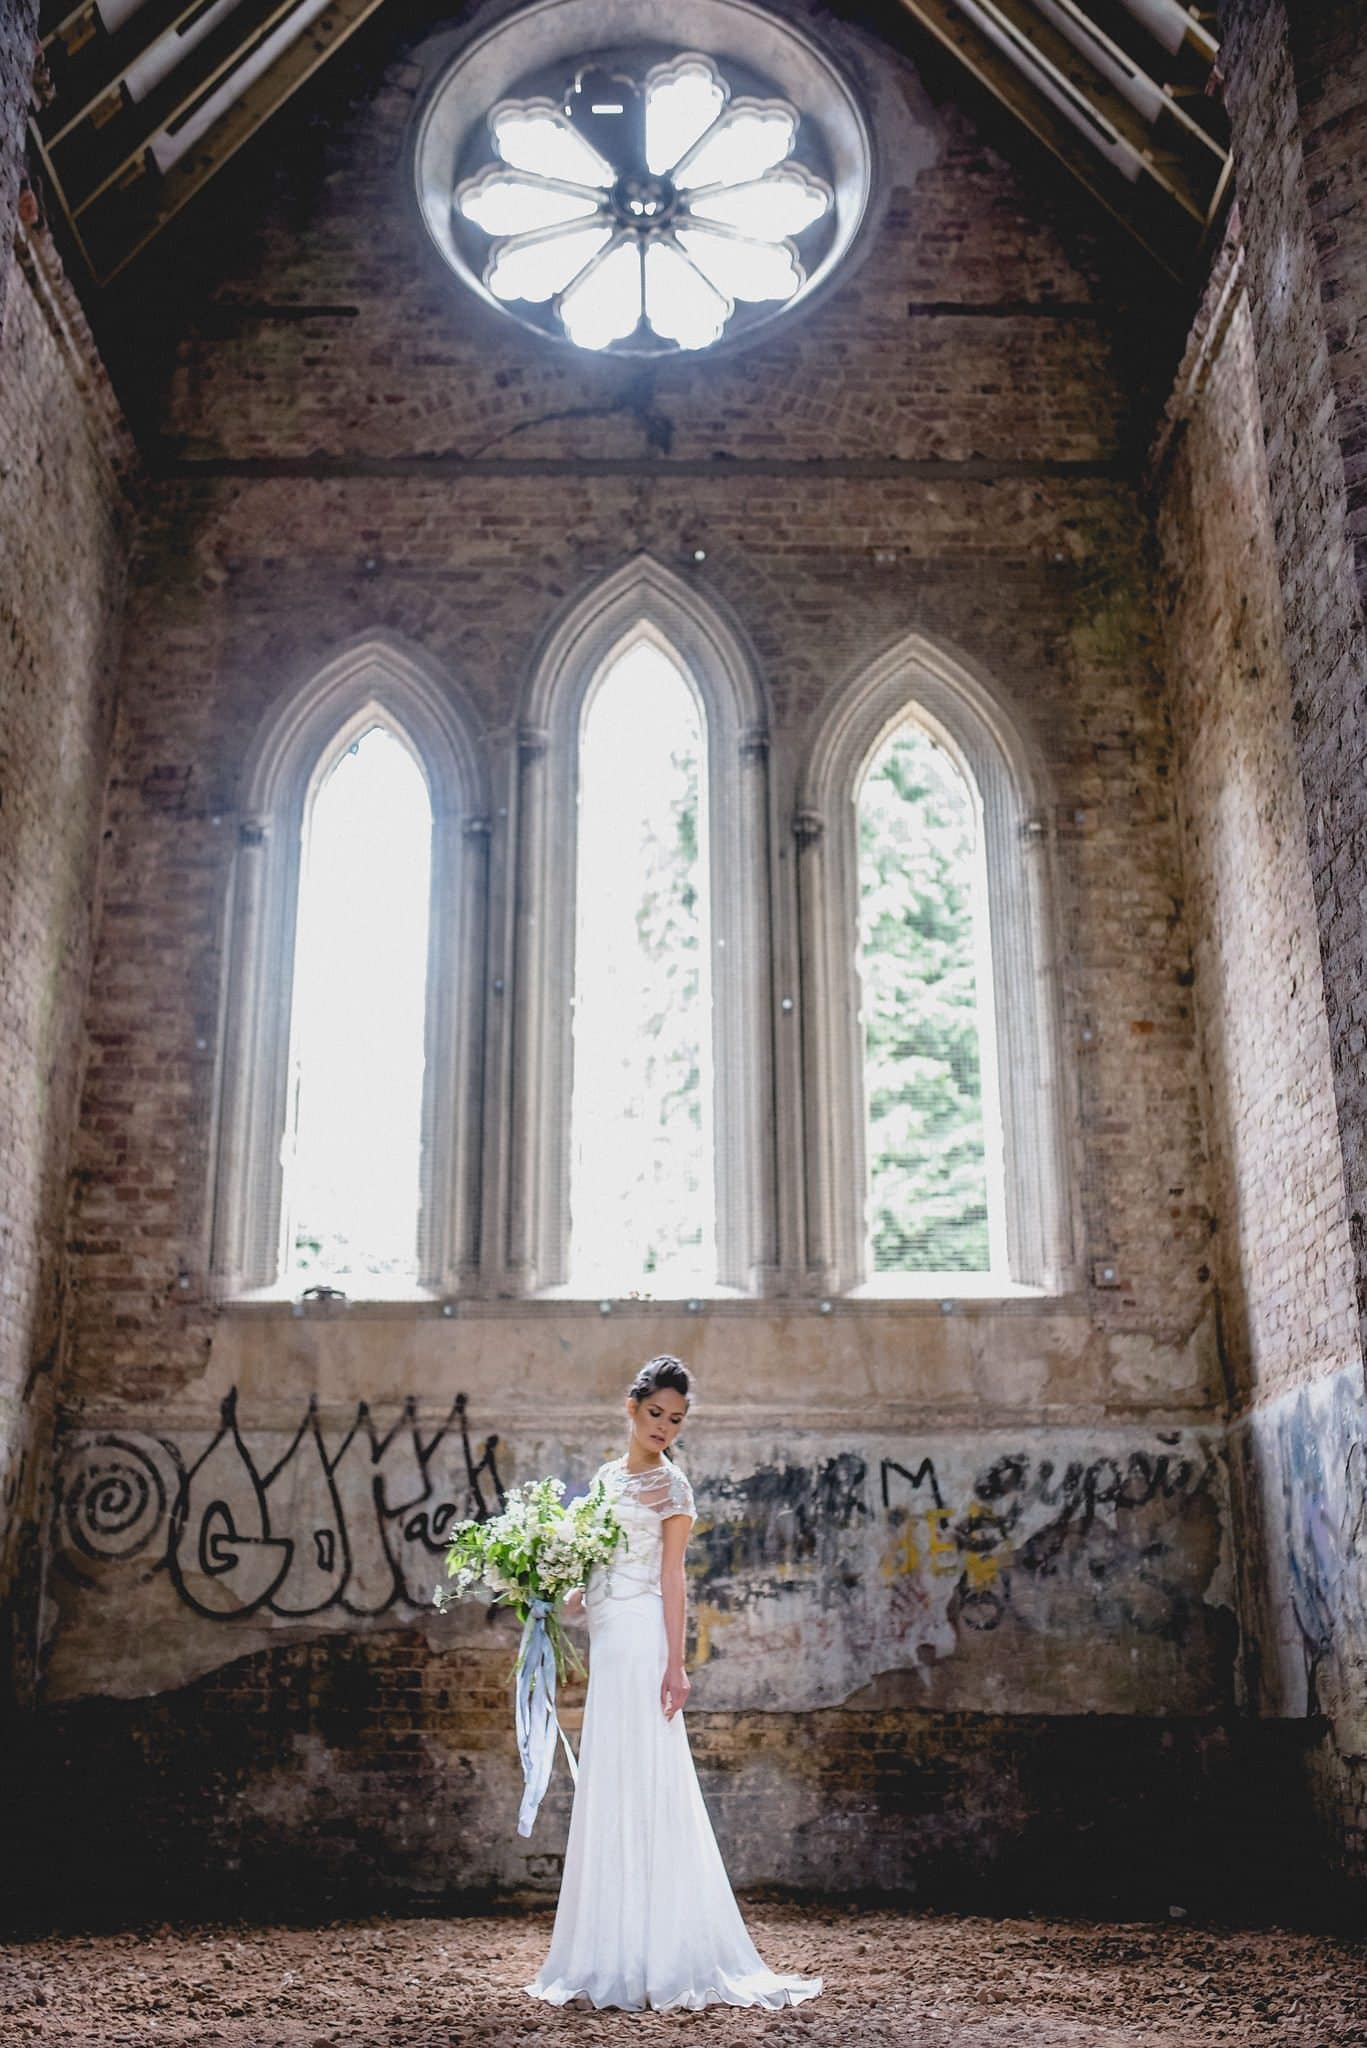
(1024,1176)
(374,686)
(643,613)
(643,198)
(648,206)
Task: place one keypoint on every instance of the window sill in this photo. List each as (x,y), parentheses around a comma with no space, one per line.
(1001,1298)
(945,1287)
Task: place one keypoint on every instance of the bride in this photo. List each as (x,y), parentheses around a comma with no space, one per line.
(646,1915)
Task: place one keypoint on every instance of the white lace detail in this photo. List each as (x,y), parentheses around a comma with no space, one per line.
(663,1488)
(643,1501)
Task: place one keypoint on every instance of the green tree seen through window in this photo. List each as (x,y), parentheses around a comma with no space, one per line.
(927,1183)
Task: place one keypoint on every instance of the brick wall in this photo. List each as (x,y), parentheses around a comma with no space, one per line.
(414,465)
(18,41)
(1277,1174)
(63,456)
(1284,1255)
(1299,1452)
(1294,104)
(342,442)
(305,1759)
(1330,66)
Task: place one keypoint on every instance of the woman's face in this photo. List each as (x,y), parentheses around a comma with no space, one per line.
(656,1420)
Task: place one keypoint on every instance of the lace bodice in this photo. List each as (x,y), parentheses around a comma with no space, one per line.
(644,1501)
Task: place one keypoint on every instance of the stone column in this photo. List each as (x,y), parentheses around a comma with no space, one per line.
(1296,86)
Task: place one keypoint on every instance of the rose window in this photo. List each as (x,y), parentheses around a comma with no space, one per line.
(667,203)
(640,202)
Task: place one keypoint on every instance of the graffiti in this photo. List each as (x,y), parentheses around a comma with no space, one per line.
(1320,1449)
(816,1568)
(900,1560)
(11,1493)
(117,1498)
(780,1516)
(923,1475)
(1022,1514)
(354,1530)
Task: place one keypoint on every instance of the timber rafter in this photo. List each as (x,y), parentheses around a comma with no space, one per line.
(1122,92)
(132,121)
(110,104)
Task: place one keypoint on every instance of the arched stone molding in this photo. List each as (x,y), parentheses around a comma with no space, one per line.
(375,678)
(919,678)
(643,601)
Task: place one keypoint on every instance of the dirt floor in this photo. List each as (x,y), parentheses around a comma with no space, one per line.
(893,1980)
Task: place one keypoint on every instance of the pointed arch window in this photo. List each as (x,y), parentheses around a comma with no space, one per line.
(347,1140)
(933,1186)
(642,1175)
(643,1141)
(353,1139)
(933,1080)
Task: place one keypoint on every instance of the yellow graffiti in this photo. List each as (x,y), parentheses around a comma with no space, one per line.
(902,1559)
(929,1536)
(942,1548)
(706,1618)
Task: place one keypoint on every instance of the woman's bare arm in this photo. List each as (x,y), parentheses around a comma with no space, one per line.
(674,1686)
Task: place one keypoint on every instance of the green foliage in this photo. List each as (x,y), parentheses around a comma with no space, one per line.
(927,1190)
(535,1550)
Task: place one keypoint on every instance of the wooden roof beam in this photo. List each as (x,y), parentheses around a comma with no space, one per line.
(89,160)
(1186,74)
(102,62)
(125,221)
(1174,26)
(1168,148)
(1168,231)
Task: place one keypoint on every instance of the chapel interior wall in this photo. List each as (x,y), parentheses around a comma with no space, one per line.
(64,464)
(1022,1507)
(1000,1543)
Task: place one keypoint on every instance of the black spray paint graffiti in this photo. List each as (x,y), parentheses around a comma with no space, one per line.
(11,1493)
(774,1520)
(1108,1522)
(358,1529)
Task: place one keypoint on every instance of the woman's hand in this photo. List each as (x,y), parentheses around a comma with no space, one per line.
(674,1690)
(574,1604)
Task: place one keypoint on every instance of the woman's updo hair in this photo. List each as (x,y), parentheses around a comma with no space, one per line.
(659,1374)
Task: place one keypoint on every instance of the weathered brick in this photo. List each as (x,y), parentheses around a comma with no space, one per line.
(66,519)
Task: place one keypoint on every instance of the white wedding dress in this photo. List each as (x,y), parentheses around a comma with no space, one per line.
(646,1915)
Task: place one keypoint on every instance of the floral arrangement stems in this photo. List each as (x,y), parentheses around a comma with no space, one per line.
(529,1557)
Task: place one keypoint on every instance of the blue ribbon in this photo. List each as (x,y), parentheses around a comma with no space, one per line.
(537,1722)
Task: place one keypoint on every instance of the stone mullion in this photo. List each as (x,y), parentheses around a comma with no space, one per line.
(498,997)
(788,1011)
(538,1166)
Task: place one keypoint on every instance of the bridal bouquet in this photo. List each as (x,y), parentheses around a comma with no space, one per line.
(529,1557)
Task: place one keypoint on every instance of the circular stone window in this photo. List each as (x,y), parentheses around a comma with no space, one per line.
(638,198)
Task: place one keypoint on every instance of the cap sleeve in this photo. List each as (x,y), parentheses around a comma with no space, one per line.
(680,1494)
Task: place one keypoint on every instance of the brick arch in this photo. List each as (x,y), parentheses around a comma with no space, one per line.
(921,677)
(374,677)
(643,600)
